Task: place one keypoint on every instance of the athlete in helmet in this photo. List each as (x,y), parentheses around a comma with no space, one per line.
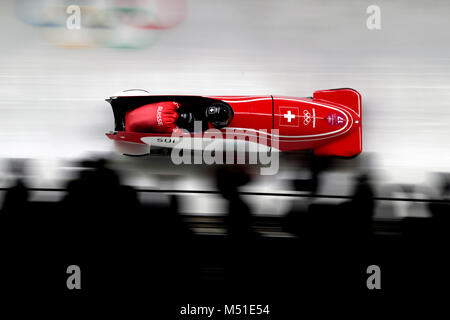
(219,114)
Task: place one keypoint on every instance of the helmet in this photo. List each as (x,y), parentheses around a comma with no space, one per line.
(185,119)
(219,114)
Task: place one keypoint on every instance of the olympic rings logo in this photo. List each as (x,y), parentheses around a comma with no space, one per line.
(108,23)
(307,117)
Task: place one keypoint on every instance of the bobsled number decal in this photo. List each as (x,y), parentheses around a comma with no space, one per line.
(335,119)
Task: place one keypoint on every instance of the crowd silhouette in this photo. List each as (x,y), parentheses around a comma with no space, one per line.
(129,250)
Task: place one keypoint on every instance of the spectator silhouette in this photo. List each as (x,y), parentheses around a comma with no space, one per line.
(338,232)
(362,206)
(16,229)
(239,220)
(102,226)
(295,220)
(181,251)
(241,264)
(433,239)
(440,212)
(16,197)
(356,233)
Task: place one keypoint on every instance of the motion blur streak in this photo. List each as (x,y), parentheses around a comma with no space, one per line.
(51,99)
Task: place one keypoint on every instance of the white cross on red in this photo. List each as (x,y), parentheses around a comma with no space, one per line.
(289,116)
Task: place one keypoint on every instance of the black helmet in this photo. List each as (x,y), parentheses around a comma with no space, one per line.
(219,114)
(185,119)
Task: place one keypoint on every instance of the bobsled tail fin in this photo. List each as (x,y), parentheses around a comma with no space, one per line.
(345,97)
(348,146)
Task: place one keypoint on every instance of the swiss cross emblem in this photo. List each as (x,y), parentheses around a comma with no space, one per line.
(289,116)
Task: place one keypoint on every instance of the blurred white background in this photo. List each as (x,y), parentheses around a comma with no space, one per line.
(52,89)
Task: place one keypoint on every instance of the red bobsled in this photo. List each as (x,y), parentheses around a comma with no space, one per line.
(329,122)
